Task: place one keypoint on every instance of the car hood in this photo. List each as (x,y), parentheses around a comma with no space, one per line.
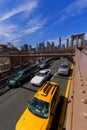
(13,79)
(62,69)
(28,121)
(37,79)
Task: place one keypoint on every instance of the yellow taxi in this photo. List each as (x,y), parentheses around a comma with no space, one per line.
(41,109)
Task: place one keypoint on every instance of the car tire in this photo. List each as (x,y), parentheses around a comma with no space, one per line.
(19,83)
(9,87)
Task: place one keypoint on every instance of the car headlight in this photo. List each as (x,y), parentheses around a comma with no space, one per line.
(12,82)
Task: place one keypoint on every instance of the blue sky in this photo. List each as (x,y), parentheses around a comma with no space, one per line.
(34,21)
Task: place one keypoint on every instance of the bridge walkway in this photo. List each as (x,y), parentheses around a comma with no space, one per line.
(77,101)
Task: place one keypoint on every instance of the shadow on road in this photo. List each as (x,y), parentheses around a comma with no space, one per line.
(29,89)
(60,114)
(4,89)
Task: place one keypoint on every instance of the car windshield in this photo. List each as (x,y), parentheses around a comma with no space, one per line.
(64,66)
(44,62)
(17,75)
(39,108)
(40,74)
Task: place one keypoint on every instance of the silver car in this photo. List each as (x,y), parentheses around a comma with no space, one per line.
(64,69)
(43,65)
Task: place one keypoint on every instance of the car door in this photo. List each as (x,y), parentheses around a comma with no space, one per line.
(54,102)
(53,107)
(22,76)
(46,74)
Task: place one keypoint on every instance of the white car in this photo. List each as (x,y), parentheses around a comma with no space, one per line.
(41,77)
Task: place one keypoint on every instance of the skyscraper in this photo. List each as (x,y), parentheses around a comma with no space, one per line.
(59,43)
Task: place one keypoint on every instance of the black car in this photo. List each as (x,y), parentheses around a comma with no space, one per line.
(19,77)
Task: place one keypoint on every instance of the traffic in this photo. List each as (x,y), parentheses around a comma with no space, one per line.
(15,110)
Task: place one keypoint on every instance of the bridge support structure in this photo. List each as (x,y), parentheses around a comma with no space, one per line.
(77,37)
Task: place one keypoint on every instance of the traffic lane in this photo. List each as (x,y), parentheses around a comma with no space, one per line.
(62,80)
(58,114)
(12,108)
(6,91)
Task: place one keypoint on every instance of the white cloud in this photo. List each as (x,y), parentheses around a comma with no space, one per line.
(75,8)
(35,24)
(6,30)
(26,7)
(13,33)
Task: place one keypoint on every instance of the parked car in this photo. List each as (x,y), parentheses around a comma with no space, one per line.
(64,69)
(41,109)
(41,77)
(44,64)
(19,77)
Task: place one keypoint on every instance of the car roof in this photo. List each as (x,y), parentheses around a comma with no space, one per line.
(43,71)
(21,71)
(44,61)
(65,63)
(47,91)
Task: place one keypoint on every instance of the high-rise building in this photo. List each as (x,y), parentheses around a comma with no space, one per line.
(48,45)
(41,46)
(67,43)
(59,46)
(53,47)
(63,46)
(37,47)
(24,47)
(30,48)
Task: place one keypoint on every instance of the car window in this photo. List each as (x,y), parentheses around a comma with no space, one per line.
(46,72)
(26,71)
(44,62)
(40,74)
(54,100)
(18,75)
(39,108)
(64,66)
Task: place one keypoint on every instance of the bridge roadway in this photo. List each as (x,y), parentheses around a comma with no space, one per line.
(14,101)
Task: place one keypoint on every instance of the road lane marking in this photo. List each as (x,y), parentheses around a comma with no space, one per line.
(61,122)
(54,75)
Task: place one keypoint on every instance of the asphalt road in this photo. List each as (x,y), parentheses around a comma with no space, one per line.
(14,101)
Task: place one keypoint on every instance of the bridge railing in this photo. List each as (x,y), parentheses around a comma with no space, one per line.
(77,102)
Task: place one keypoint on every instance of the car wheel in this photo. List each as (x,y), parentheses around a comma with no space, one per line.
(19,83)
(9,86)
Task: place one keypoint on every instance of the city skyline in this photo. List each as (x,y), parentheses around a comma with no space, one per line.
(35,21)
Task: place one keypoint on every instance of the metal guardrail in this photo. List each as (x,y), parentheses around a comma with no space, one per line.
(77,102)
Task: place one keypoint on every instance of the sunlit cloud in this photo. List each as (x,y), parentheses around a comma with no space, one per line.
(75,8)
(14,33)
(32,21)
(35,24)
(25,7)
